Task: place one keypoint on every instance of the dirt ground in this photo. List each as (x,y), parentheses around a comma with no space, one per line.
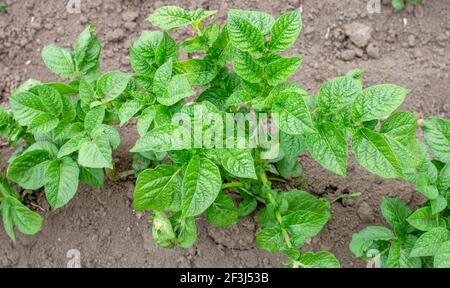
(410,48)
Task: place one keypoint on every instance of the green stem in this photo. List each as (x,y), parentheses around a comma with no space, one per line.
(272,200)
(232,185)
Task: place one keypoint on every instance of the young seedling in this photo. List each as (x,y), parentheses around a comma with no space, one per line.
(400,4)
(3,8)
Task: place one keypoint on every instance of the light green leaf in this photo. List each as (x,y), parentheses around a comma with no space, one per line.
(293,114)
(61,181)
(423,220)
(262,21)
(163,138)
(281,69)
(425,187)
(87,94)
(72,145)
(27,106)
(59,61)
(437,136)
(238,162)
(444,178)
(92,176)
(162,77)
(94,118)
(285,31)
(374,153)
(245,66)
(339,92)
(112,84)
(201,185)
(329,147)
(220,49)
(362,240)
(429,242)
(398,257)
(156,188)
(271,239)
(320,259)
(167,49)
(169,17)
(244,35)
(128,110)
(222,212)
(162,230)
(187,232)
(377,102)
(28,170)
(43,123)
(110,132)
(442,256)
(401,126)
(438,205)
(197,71)
(145,120)
(179,89)
(87,50)
(395,212)
(96,153)
(26,221)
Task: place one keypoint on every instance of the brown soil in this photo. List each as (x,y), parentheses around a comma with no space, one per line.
(409,48)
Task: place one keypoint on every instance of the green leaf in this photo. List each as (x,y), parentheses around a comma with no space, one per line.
(437,136)
(244,35)
(306,222)
(423,220)
(201,185)
(162,77)
(442,256)
(43,123)
(362,240)
(197,71)
(96,153)
(94,118)
(28,170)
(293,114)
(220,49)
(169,17)
(179,88)
(167,49)
(162,231)
(222,212)
(398,4)
(271,239)
(59,61)
(108,131)
(429,242)
(292,145)
(87,50)
(395,211)
(329,147)
(61,181)
(285,31)
(374,153)
(156,188)
(187,232)
(401,126)
(438,205)
(92,176)
(444,178)
(398,257)
(320,259)
(377,102)
(245,66)
(87,94)
(247,205)
(27,106)
(339,92)
(425,187)
(289,167)
(145,120)
(238,162)
(72,145)
(26,221)
(163,138)
(128,110)
(281,69)
(262,21)
(112,84)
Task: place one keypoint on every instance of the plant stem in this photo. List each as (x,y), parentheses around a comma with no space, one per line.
(232,185)
(272,200)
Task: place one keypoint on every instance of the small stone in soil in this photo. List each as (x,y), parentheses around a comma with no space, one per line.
(373,50)
(358,33)
(348,55)
(365,212)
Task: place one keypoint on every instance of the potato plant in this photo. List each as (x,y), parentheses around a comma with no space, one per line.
(182,94)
